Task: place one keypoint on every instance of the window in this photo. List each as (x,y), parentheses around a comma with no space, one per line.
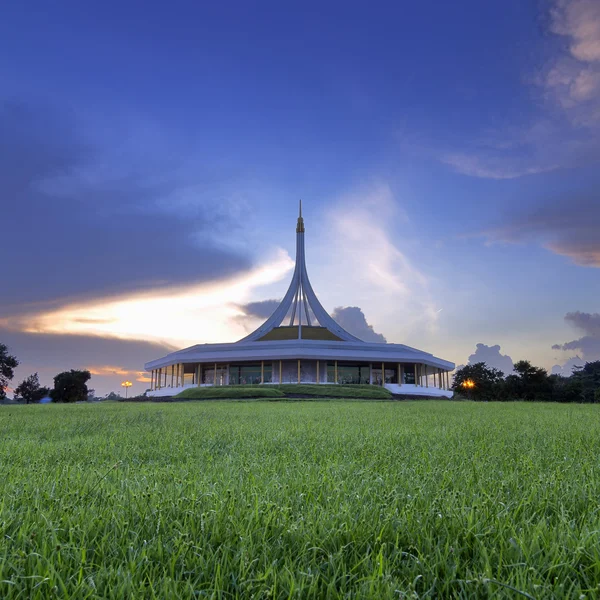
(348,373)
(409,373)
(250,374)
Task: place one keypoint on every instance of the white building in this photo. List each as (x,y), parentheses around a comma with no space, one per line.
(301,343)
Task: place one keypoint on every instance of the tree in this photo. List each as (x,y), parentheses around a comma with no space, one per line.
(566,389)
(530,383)
(478,382)
(70,386)
(589,378)
(8,364)
(31,390)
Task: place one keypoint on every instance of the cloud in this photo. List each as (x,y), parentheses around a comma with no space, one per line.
(565,131)
(362,245)
(353,320)
(258,311)
(487,166)
(580,21)
(177,316)
(566,369)
(82,223)
(49,354)
(568,227)
(589,344)
(492,357)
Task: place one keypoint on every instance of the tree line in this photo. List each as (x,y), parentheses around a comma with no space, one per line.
(69,386)
(529,383)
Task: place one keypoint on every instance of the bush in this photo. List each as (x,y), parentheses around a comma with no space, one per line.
(335,391)
(292,390)
(229,392)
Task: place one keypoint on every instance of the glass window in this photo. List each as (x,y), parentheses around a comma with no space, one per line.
(330,372)
(348,373)
(250,374)
(409,373)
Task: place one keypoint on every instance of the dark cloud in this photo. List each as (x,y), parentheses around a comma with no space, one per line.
(262,309)
(50,354)
(568,227)
(70,230)
(353,320)
(589,344)
(492,357)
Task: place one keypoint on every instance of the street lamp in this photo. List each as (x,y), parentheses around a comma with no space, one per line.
(126,385)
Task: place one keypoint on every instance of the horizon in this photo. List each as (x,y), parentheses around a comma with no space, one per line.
(446,157)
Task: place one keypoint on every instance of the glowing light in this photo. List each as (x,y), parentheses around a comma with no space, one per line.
(126,385)
(468,383)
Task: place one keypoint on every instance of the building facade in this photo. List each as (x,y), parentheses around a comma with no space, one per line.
(301,343)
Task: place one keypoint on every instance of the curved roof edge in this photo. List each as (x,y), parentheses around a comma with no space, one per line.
(299,349)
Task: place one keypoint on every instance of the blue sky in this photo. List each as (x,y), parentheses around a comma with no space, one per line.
(152,158)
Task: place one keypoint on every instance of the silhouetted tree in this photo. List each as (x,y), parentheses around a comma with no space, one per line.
(70,386)
(529,383)
(31,390)
(589,378)
(8,364)
(478,382)
(565,389)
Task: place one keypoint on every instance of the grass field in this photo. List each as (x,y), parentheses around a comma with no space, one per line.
(300,500)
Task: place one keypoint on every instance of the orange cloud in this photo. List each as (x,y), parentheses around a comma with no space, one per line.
(188,314)
(109,370)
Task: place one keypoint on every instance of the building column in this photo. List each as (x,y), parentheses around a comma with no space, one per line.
(335,372)
(298,370)
(199,375)
(215,375)
(370,373)
(280,371)
(426,375)
(382,374)
(318,378)
(400,374)
(262,371)
(417,372)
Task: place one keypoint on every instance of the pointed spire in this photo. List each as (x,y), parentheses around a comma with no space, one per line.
(300,226)
(300,303)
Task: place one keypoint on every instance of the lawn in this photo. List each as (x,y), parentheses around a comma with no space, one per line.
(302,500)
(294,390)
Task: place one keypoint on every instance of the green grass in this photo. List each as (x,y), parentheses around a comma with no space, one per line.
(300,500)
(229,392)
(232,392)
(336,391)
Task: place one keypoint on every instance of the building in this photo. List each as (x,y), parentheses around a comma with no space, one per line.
(301,343)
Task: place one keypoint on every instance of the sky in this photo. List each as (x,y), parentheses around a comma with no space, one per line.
(152,157)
